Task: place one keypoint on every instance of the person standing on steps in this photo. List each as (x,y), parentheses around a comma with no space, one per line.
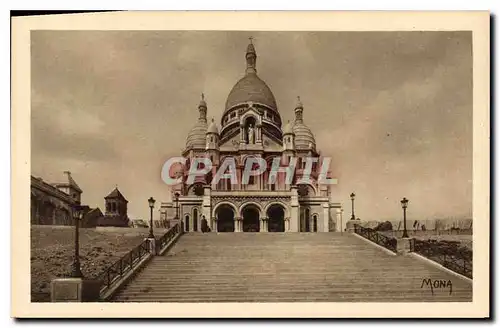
(204,225)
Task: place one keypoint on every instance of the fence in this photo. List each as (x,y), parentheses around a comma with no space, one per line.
(127,263)
(168,236)
(372,235)
(448,254)
(113,275)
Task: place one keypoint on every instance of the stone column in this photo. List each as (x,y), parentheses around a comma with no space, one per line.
(326,218)
(258,135)
(54,210)
(294,211)
(74,290)
(152,246)
(287,224)
(206,211)
(261,225)
(338,221)
(237,227)
(350,225)
(265,225)
(243,140)
(238,178)
(214,224)
(37,214)
(403,246)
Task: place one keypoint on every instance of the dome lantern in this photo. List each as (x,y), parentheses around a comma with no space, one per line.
(196,136)
(298,110)
(304,138)
(202,108)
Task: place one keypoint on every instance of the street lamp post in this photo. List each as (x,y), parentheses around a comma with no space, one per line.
(151,202)
(404,204)
(77,216)
(353,217)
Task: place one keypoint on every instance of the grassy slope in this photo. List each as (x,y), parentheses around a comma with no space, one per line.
(52,250)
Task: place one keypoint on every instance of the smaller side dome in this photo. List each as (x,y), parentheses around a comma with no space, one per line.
(212,128)
(304,138)
(196,136)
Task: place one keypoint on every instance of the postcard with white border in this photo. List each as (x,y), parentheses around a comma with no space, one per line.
(251,165)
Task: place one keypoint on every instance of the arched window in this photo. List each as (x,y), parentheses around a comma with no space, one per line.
(195,219)
(307,219)
(186,223)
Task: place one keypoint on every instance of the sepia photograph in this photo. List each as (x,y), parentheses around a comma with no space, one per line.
(260,166)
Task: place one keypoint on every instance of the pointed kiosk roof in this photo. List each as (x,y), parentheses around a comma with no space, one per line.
(116,194)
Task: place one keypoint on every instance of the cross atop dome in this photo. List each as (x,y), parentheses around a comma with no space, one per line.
(202,104)
(299,103)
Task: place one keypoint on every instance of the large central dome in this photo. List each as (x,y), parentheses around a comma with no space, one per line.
(251,88)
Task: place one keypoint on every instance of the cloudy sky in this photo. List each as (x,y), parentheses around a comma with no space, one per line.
(393,110)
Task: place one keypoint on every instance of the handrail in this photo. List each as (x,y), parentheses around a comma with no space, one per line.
(376,237)
(168,236)
(128,262)
(448,254)
(112,276)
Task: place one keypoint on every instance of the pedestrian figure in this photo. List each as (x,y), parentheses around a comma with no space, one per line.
(204,225)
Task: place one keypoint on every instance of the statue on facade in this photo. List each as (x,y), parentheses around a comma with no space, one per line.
(250,134)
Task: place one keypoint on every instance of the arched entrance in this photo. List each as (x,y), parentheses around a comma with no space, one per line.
(315,223)
(276,215)
(305,219)
(225,218)
(251,218)
(186,223)
(195,219)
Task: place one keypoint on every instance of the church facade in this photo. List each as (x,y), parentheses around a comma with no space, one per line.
(251,127)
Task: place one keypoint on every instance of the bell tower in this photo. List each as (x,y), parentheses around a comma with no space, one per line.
(115,210)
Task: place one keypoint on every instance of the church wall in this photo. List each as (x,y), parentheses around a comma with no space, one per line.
(251,125)
(48,207)
(188,210)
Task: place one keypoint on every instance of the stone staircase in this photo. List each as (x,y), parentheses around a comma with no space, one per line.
(292,267)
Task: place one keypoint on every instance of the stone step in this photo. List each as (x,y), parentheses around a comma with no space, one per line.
(275,285)
(253,267)
(297,295)
(317,288)
(364,297)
